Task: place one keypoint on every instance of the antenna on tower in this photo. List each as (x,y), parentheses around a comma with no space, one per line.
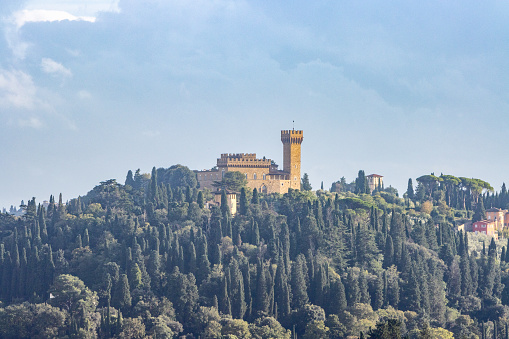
(293,127)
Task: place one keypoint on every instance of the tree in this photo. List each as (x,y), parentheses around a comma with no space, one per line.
(180,176)
(361,183)
(480,212)
(298,282)
(133,328)
(254,199)
(122,295)
(389,329)
(305,185)
(233,181)
(410,190)
(31,321)
(71,294)
(243,203)
(129,180)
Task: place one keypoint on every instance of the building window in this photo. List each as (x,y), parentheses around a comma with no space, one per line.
(254,176)
(264,176)
(246,175)
(295,178)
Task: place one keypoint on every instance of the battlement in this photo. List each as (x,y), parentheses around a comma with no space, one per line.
(242,160)
(238,156)
(292,136)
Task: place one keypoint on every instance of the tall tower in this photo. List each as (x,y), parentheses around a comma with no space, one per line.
(291,155)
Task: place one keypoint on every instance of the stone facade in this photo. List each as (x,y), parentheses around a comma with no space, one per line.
(374,181)
(261,174)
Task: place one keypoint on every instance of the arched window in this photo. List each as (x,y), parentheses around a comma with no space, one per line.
(264,176)
(263,189)
(254,176)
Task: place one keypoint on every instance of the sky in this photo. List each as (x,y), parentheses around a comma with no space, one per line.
(92,89)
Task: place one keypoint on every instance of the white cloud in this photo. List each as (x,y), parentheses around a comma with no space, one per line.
(52,67)
(39,15)
(17,89)
(32,122)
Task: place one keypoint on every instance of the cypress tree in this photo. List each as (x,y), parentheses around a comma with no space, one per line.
(199,200)
(191,263)
(298,281)
(261,297)
(256,234)
(86,239)
(378,297)
(122,295)
(336,300)
(466,276)
(410,189)
(243,203)
(225,299)
(282,290)
(363,289)
(352,292)
(388,252)
(135,276)
(255,200)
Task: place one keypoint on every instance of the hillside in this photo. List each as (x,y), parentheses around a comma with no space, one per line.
(151,258)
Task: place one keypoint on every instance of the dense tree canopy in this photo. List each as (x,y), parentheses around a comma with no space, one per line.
(152,259)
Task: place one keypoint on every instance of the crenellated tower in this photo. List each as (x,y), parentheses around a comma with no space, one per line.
(292,140)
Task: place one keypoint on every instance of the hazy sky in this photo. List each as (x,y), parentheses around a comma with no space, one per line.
(91,89)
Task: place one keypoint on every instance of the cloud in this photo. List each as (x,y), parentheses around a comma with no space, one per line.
(20,18)
(17,89)
(52,67)
(32,122)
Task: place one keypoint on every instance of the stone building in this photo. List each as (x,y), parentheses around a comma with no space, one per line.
(374,181)
(262,174)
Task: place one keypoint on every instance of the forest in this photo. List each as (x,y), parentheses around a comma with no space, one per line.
(153,258)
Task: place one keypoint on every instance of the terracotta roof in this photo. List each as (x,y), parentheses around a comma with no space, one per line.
(494,209)
(375,175)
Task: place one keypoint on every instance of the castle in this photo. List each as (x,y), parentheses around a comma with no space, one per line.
(262,174)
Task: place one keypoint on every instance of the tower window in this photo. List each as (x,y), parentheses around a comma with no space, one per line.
(246,175)
(254,176)
(264,176)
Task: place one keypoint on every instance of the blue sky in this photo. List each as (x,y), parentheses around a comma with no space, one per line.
(91,89)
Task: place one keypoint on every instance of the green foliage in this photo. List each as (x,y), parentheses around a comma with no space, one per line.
(305,185)
(318,265)
(232,181)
